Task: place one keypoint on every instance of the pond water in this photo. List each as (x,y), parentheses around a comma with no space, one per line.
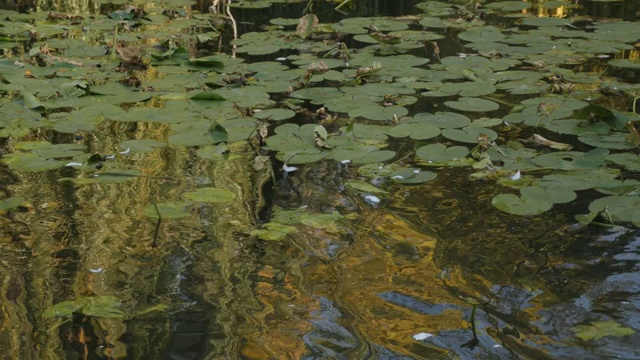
(320,180)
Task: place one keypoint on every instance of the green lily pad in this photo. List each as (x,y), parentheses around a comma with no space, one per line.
(521,205)
(365,187)
(469,134)
(30,162)
(473,105)
(417,131)
(210,195)
(378,112)
(483,33)
(600,329)
(273,231)
(412,176)
(168,210)
(96,306)
(443,120)
(275,114)
(11,203)
(572,160)
(609,141)
(439,153)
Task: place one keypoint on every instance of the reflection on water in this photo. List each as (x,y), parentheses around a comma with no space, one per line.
(434,272)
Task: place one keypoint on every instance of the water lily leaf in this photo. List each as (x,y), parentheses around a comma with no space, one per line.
(484,33)
(417,131)
(210,195)
(628,187)
(217,132)
(31,102)
(62,309)
(102,306)
(600,329)
(443,120)
(273,231)
(168,210)
(594,112)
(554,196)
(609,141)
(11,203)
(521,205)
(208,96)
(364,155)
(322,221)
(412,176)
(439,153)
(257,4)
(579,180)
(275,114)
(364,186)
(630,161)
(432,22)
(306,25)
(30,162)
(578,127)
(509,6)
(625,63)
(572,160)
(378,112)
(469,134)
(97,306)
(473,105)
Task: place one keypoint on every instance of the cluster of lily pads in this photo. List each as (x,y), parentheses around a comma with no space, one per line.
(346,92)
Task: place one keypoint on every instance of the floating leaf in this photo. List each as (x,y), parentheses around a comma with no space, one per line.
(438,153)
(364,187)
(469,134)
(273,231)
(521,205)
(600,329)
(210,195)
(473,104)
(208,96)
(167,210)
(11,203)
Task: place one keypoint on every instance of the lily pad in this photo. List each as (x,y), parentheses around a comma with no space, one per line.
(273,231)
(469,134)
(210,195)
(600,329)
(473,105)
(439,153)
(521,205)
(168,210)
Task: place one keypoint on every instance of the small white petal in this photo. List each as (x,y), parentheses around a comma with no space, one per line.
(281,59)
(497,346)
(289,169)
(346,161)
(98,270)
(422,336)
(398,177)
(125,152)
(416,171)
(516,176)
(109,157)
(372,199)
(73,164)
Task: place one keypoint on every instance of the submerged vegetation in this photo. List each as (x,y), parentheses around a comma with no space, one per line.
(191,161)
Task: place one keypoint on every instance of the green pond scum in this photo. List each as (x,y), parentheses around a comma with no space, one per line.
(320,179)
